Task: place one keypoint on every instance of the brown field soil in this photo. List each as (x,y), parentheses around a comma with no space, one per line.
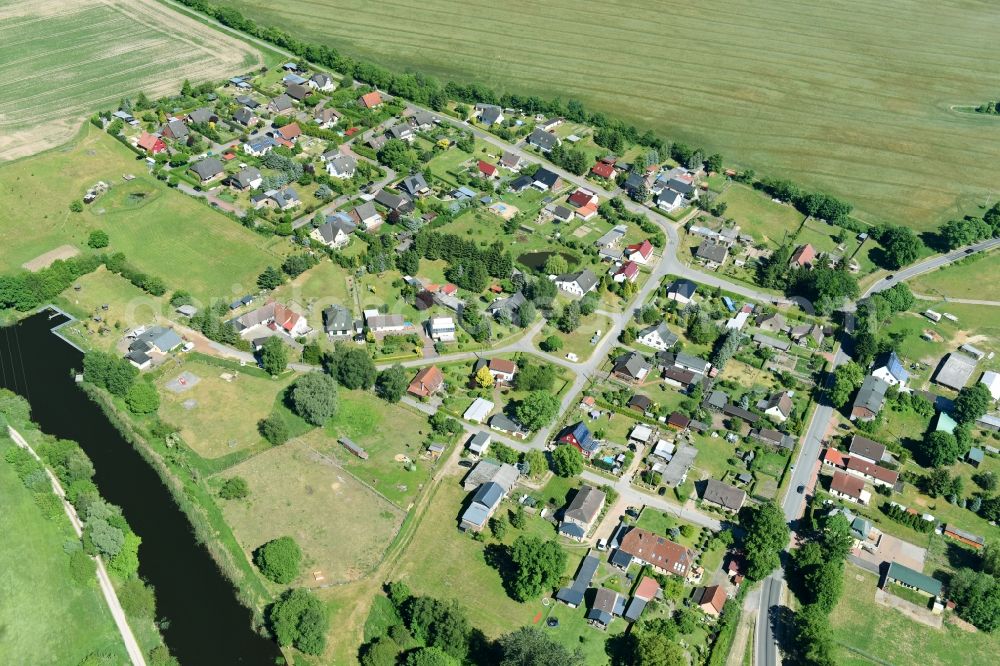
(50,257)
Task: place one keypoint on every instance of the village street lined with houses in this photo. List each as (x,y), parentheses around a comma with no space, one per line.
(591,395)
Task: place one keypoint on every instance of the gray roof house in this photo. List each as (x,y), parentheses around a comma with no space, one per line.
(712,253)
(631,367)
(244,116)
(337,321)
(510,305)
(489,114)
(484,502)
(572,596)
(581,512)
(414,185)
(246,179)
(394,202)
(869,400)
(578,283)
(724,495)
(175,129)
(658,336)
(203,115)
(281,103)
(955,370)
(207,169)
(545,141)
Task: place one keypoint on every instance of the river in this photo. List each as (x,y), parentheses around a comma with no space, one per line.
(206,622)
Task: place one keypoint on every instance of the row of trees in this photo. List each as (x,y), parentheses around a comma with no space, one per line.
(120,378)
(826,286)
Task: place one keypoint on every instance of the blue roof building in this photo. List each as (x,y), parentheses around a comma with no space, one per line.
(889,368)
(579,436)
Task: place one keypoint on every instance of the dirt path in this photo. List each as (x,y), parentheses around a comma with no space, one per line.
(131,645)
(50,257)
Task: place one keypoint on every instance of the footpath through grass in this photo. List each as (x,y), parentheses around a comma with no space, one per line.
(45,616)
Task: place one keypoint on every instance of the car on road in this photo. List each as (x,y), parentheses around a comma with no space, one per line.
(800,490)
(465,463)
(889,277)
(970,250)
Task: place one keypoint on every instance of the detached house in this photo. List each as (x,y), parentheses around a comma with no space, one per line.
(643,546)
(627,272)
(682,291)
(290,132)
(658,336)
(175,129)
(778,407)
(804,257)
(578,436)
(500,369)
(370,100)
(341,166)
(581,513)
(870,398)
(545,180)
(366,215)
(415,186)
(259,146)
(631,367)
(640,253)
(544,141)
(246,179)
(245,117)
(489,114)
(723,495)
(336,232)
(151,143)
(208,169)
(848,487)
(276,317)
(337,321)
(712,254)
(280,104)
(441,329)
(577,284)
(427,382)
(326,116)
(321,81)
(890,369)
(866,449)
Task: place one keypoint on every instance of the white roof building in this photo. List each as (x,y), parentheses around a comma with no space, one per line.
(992,381)
(478,411)
(641,433)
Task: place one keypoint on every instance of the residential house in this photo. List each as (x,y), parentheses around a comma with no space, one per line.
(561,213)
(259,146)
(767,341)
(992,382)
(778,407)
(849,487)
(500,369)
(487,170)
(384,323)
(394,202)
(604,170)
(338,322)
(290,132)
(415,185)
(478,443)
(866,449)
(631,367)
(203,115)
(281,104)
(441,329)
(510,161)
(955,371)
(834,458)
(663,555)
(341,166)
(489,114)
(677,421)
(508,307)
(245,117)
(274,316)
(804,257)
(773,322)
(890,369)
(423,120)
(335,232)
(520,184)
(712,254)
(686,361)
(582,512)
(426,383)
(573,595)
(607,605)
(545,180)
(208,169)
(484,503)
(639,403)
(669,200)
(578,436)
(870,398)
(775,438)
(326,116)
(293,79)
(370,100)
(508,426)
(402,131)
(712,599)
(626,272)
(657,336)
(246,179)
(682,291)
(151,143)
(285,199)
(876,474)
(612,237)
(640,253)
(544,141)
(738,412)
(155,340)
(321,81)
(247,101)
(366,215)
(723,495)
(175,129)
(579,283)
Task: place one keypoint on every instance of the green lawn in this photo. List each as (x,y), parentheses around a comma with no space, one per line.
(839,96)
(578,342)
(161,231)
(57,67)
(758,216)
(866,633)
(47,617)
(977,277)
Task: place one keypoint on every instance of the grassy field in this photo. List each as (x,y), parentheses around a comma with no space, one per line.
(162,232)
(40,598)
(296,492)
(207,425)
(822,93)
(977,277)
(62,60)
(895,638)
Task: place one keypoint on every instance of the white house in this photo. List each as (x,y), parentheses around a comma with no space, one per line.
(441,329)
(336,233)
(682,291)
(657,336)
(366,215)
(341,166)
(890,369)
(577,284)
(992,381)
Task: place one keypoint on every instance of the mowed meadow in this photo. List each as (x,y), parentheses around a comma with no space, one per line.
(61,60)
(845,96)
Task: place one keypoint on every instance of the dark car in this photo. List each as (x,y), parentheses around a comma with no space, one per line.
(970,250)
(889,277)
(801,489)
(465,463)
(844,426)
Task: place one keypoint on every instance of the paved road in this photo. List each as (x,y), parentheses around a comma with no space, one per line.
(131,645)
(946,299)
(637,497)
(937,261)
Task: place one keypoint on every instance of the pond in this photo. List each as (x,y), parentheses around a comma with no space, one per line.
(536,260)
(204,621)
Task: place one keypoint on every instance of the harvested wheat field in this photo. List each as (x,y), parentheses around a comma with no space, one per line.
(61,60)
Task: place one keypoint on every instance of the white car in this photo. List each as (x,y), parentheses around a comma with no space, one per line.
(572,357)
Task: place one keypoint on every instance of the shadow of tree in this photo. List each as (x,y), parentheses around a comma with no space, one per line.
(498,557)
